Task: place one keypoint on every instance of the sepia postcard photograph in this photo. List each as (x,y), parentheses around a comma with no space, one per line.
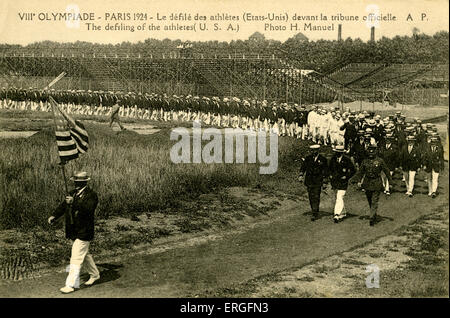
(224,153)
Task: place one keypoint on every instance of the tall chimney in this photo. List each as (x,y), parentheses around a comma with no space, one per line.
(372,34)
(340,32)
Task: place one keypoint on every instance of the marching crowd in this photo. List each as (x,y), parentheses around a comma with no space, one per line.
(360,137)
(286,120)
(373,150)
(367,148)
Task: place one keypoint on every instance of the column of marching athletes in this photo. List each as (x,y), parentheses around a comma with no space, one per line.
(405,146)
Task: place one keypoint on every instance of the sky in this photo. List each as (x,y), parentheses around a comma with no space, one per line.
(429,16)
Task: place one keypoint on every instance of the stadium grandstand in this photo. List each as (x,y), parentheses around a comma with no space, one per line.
(255,69)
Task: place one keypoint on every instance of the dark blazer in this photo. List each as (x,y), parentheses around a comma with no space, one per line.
(379,133)
(410,161)
(315,171)
(370,171)
(82,212)
(338,170)
(359,151)
(390,156)
(421,138)
(401,137)
(350,131)
(303,117)
(434,160)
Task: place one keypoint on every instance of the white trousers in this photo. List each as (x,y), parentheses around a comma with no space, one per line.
(80,257)
(432,181)
(313,133)
(339,208)
(304,131)
(385,180)
(409,180)
(291,130)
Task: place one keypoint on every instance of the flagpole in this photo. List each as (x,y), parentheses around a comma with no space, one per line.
(61,163)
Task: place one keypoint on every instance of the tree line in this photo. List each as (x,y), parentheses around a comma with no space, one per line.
(320,55)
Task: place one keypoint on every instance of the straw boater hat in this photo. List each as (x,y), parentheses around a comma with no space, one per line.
(339,148)
(372,122)
(80,176)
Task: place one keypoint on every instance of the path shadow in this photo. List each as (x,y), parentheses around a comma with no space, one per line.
(320,215)
(328,214)
(108,273)
(378,219)
(397,189)
(350,215)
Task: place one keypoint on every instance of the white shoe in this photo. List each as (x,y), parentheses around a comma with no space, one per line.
(67,290)
(91,280)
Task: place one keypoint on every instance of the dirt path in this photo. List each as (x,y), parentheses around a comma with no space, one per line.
(289,241)
(412,262)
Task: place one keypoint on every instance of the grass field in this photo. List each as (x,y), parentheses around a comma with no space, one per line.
(132,173)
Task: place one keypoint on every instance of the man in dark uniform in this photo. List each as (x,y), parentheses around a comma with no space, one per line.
(341,170)
(410,163)
(420,135)
(315,172)
(400,135)
(303,121)
(379,132)
(368,139)
(397,116)
(79,210)
(390,154)
(433,165)
(360,122)
(358,151)
(370,176)
(350,134)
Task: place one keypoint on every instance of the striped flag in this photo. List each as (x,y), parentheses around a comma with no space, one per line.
(71,136)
